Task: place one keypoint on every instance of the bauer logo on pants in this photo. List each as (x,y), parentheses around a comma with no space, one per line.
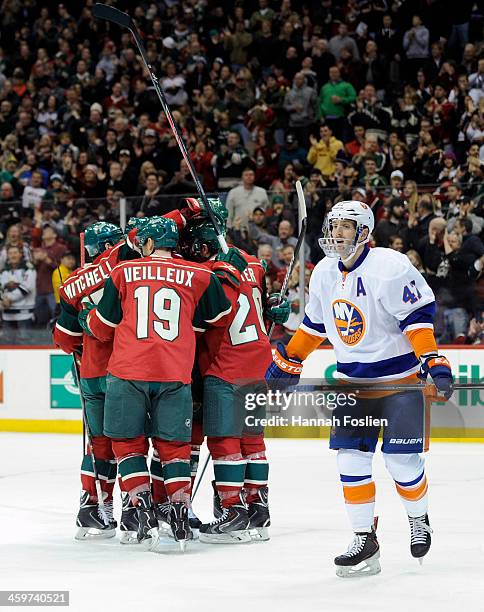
(63,391)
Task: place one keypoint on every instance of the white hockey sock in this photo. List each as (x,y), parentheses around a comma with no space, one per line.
(408,472)
(358,487)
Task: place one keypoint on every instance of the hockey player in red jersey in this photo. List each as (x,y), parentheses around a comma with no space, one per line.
(106,247)
(232,362)
(152,307)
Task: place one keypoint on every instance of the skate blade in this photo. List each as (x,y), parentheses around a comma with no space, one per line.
(369,567)
(92,533)
(232,537)
(129,538)
(164,545)
(259,534)
(165,529)
(420,560)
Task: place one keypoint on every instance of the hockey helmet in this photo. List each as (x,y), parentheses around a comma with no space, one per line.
(351,210)
(198,233)
(97,235)
(161,230)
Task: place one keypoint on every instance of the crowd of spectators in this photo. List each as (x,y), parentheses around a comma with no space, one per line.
(381,101)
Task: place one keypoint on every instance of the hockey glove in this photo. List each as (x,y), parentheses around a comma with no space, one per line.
(82,317)
(275,311)
(234,258)
(284,370)
(440,371)
(192,208)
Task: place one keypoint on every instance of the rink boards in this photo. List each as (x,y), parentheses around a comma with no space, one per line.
(37,394)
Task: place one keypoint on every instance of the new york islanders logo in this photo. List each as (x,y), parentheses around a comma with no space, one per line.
(349,321)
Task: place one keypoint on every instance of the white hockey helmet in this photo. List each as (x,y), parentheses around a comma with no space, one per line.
(352,210)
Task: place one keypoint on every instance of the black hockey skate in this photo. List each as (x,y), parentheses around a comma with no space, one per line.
(361,558)
(259,517)
(148,523)
(179,523)
(92,523)
(230,528)
(129,523)
(162,512)
(163,515)
(420,538)
(217,504)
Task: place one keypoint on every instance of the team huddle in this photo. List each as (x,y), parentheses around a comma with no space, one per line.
(171,334)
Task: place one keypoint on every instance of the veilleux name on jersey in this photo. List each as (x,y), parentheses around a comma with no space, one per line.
(179,276)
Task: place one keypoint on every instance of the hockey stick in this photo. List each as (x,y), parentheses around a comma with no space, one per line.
(87,432)
(200,478)
(300,241)
(114,15)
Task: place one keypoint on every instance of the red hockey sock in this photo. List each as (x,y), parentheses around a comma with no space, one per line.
(257,470)
(175,464)
(229,468)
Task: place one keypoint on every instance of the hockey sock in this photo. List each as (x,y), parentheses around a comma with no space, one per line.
(408,472)
(257,468)
(358,487)
(106,469)
(132,466)
(157,484)
(175,464)
(229,468)
(197,441)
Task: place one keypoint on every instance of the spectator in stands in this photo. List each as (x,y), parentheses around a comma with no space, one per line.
(322,154)
(300,103)
(334,99)
(396,243)
(394,226)
(17,287)
(418,223)
(62,272)
(243,199)
(46,259)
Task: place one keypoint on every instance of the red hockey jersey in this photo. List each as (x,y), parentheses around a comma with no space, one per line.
(153,306)
(86,284)
(244,352)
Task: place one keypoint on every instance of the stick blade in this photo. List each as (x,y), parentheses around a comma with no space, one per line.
(301,201)
(110,13)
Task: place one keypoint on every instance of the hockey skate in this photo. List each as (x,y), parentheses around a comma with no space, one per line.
(259,517)
(420,538)
(230,528)
(179,524)
(217,504)
(162,512)
(148,523)
(129,523)
(361,558)
(163,515)
(91,522)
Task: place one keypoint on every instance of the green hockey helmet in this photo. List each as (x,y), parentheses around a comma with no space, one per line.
(161,230)
(200,232)
(135,223)
(97,235)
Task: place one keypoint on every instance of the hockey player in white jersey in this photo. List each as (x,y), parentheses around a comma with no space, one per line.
(377,311)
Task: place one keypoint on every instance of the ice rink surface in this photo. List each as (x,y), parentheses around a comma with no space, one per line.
(39,487)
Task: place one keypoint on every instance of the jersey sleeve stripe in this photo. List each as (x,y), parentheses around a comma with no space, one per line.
(67,331)
(419,326)
(103,320)
(315,329)
(219,316)
(424,314)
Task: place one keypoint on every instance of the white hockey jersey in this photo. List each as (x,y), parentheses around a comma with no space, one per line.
(364,311)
